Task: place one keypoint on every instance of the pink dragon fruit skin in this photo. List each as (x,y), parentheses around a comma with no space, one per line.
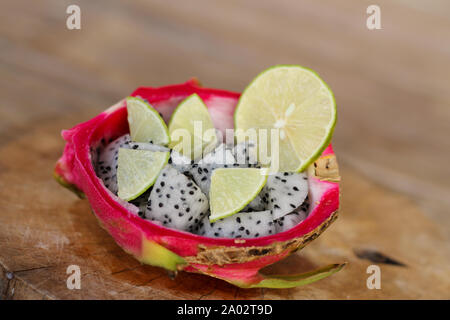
(237,261)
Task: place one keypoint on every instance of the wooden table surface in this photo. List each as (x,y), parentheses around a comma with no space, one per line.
(392,137)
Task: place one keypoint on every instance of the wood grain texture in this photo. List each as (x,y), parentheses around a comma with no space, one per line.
(391,87)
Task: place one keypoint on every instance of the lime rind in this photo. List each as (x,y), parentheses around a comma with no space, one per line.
(261,185)
(164,138)
(157,167)
(330,129)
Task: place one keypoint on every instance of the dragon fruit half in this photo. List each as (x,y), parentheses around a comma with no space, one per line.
(233,250)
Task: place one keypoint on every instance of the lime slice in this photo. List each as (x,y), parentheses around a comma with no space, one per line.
(298,103)
(191,129)
(146,125)
(137,171)
(232,189)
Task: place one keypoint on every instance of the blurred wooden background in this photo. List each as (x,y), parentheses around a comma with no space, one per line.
(391,85)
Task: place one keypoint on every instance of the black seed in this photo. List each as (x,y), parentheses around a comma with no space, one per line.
(180,214)
(257,235)
(176,206)
(157,190)
(258,222)
(216,234)
(200,170)
(295,188)
(293,206)
(277,206)
(191,192)
(160,205)
(238,220)
(162,183)
(283,180)
(241,229)
(286,174)
(247,232)
(190,218)
(182,191)
(135,147)
(204,179)
(190,184)
(168,195)
(188,209)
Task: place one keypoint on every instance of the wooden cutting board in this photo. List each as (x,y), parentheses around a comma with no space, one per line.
(44,228)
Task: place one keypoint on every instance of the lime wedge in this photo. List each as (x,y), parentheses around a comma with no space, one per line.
(191,129)
(146,125)
(232,189)
(137,171)
(299,104)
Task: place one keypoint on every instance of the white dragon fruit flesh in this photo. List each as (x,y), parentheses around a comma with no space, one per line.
(176,201)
